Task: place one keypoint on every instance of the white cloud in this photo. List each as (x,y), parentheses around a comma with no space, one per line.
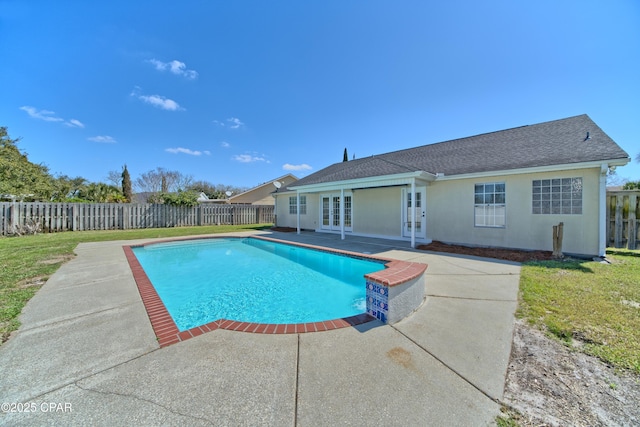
(73,123)
(235,122)
(225,144)
(106,139)
(176,67)
(302,167)
(181,150)
(46,115)
(249,158)
(156,100)
(50,116)
(160,102)
(231,122)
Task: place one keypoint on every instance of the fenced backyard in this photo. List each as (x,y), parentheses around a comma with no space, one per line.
(623,214)
(56,217)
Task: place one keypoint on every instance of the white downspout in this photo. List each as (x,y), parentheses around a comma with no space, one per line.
(602,211)
(298,211)
(413,213)
(342,213)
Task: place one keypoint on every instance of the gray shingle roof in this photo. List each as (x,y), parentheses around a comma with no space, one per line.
(545,144)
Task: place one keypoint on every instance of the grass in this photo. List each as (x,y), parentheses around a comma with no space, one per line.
(27,262)
(508,417)
(591,306)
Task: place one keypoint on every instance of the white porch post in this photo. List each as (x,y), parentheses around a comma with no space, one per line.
(298,211)
(602,211)
(413,213)
(342,213)
(275,210)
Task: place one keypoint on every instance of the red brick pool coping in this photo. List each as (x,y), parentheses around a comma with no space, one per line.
(167,332)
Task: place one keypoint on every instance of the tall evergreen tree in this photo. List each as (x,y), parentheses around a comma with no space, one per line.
(345,156)
(126,185)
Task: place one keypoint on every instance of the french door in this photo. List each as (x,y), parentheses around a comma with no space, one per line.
(330,211)
(411,209)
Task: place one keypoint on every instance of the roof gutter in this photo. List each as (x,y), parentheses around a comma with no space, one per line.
(373,181)
(406,178)
(537,169)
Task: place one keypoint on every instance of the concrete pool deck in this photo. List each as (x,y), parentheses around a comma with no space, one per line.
(86,354)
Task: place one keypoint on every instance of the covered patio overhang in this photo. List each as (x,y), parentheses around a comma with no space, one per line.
(412,179)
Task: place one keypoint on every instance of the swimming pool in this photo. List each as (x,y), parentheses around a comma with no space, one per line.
(254,280)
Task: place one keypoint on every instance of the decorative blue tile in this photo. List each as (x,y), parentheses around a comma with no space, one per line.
(377,301)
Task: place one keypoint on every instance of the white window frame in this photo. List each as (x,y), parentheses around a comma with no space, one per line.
(293,205)
(490,205)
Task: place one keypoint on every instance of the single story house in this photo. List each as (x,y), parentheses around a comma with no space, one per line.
(261,194)
(500,189)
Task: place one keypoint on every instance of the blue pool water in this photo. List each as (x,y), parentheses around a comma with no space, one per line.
(252,280)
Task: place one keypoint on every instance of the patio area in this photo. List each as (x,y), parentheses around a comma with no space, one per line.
(86,353)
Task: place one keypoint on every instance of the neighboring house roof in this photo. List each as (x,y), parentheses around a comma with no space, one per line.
(261,194)
(567,141)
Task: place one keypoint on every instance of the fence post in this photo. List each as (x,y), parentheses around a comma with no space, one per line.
(618,224)
(632,231)
(557,241)
(74,217)
(12,218)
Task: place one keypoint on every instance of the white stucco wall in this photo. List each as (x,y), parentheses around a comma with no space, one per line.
(308,221)
(450,214)
(377,211)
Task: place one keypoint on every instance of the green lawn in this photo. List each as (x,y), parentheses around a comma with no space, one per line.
(26,262)
(593,307)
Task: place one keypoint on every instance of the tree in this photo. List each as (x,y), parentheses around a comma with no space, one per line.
(180,198)
(631,185)
(203,187)
(345,156)
(162,180)
(18,176)
(67,188)
(126,185)
(114,178)
(215,191)
(99,192)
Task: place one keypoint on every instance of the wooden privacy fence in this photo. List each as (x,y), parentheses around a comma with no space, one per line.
(623,213)
(53,217)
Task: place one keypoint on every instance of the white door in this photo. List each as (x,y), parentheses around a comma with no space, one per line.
(330,212)
(417,210)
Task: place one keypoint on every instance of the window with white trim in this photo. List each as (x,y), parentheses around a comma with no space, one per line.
(293,205)
(490,205)
(559,196)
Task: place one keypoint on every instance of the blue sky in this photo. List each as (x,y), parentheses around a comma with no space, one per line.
(242,92)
